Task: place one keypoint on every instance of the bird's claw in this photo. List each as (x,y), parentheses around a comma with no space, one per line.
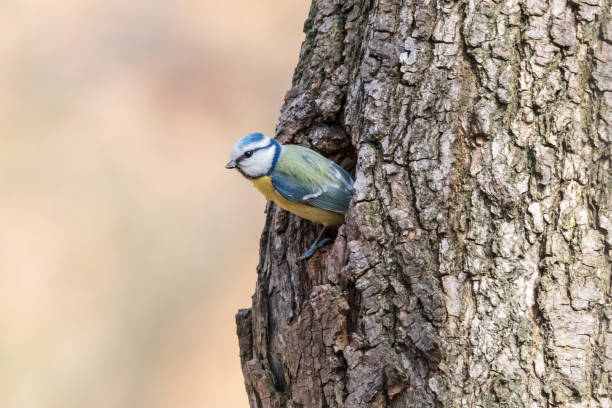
(313,248)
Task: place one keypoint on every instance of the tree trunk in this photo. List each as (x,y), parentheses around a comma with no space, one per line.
(474,266)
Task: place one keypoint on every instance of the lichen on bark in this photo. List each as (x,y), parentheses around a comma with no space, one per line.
(474,266)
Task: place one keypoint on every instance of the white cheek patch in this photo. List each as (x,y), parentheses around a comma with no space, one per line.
(259,164)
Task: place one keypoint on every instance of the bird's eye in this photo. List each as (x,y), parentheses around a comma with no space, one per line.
(248,154)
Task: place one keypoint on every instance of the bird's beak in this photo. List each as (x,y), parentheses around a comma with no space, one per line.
(230,165)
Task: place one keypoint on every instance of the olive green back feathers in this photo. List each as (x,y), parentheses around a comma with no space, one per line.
(304,176)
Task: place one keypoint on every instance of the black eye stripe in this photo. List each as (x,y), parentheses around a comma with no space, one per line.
(244,155)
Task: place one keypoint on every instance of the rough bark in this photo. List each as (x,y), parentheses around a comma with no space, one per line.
(474,266)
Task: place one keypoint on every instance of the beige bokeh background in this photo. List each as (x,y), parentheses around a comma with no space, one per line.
(125,246)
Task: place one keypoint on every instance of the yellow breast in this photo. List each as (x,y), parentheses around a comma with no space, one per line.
(318,215)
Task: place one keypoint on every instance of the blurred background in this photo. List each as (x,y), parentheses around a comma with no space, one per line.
(125,246)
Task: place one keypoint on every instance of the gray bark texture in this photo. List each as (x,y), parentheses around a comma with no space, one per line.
(474,266)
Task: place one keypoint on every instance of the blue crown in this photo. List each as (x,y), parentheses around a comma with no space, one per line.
(251,138)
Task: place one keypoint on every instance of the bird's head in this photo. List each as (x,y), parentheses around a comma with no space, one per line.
(254,155)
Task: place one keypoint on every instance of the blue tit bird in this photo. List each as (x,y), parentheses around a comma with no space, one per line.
(296,178)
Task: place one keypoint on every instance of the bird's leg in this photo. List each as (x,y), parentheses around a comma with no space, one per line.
(315,245)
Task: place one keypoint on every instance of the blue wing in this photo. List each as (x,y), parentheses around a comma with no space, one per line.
(304,176)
